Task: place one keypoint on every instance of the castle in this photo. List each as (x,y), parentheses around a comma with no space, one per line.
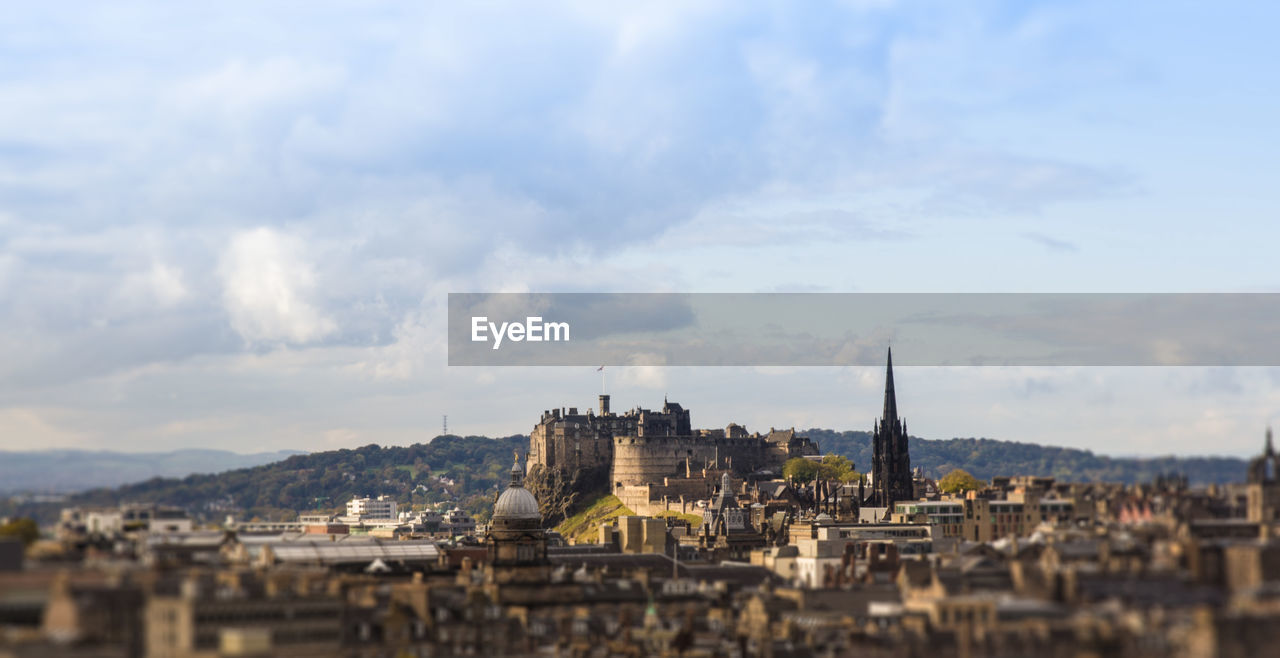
(654,459)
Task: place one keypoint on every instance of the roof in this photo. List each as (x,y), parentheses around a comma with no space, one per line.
(583,549)
(196,539)
(856,602)
(739,574)
(516,503)
(335,553)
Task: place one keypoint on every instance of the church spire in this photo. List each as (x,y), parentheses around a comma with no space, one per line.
(890,462)
(890,399)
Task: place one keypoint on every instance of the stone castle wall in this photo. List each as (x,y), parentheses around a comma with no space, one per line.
(669,495)
(648,460)
(571,441)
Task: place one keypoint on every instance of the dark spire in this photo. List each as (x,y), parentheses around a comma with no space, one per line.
(890,400)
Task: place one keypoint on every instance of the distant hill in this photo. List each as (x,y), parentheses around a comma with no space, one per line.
(471,470)
(985,458)
(69,471)
(464,469)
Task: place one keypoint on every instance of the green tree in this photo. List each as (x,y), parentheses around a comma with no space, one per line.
(838,468)
(24,530)
(800,470)
(958,481)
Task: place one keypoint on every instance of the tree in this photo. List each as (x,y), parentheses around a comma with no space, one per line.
(800,470)
(958,481)
(24,530)
(838,468)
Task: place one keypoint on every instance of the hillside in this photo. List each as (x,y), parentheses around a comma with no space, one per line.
(985,458)
(475,465)
(474,468)
(69,471)
(585,525)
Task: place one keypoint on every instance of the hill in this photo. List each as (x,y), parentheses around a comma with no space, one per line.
(584,526)
(470,470)
(69,471)
(985,458)
(466,469)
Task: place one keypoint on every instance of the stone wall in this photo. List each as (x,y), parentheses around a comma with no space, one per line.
(567,440)
(639,460)
(671,495)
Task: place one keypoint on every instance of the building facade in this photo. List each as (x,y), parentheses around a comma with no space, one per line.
(380,509)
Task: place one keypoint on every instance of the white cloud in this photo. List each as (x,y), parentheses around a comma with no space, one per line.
(25,428)
(401,152)
(242,88)
(651,377)
(162,285)
(268,285)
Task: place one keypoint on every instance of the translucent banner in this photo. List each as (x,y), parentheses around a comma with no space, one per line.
(826,329)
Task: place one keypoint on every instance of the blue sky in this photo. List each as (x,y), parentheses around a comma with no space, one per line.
(235,226)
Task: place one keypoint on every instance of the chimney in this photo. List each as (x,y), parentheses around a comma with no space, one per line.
(604,405)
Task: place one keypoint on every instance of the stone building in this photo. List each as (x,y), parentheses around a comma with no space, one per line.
(517,541)
(725,533)
(1263,489)
(244,612)
(567,439)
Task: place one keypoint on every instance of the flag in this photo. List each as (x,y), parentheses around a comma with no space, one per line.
(600,368)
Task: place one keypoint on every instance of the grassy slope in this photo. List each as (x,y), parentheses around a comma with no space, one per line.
(693,519)
(583,527)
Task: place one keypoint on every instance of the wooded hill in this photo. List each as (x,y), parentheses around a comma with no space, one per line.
(475,468)
(986,458)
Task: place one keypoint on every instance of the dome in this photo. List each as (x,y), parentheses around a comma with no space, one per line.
(516,503)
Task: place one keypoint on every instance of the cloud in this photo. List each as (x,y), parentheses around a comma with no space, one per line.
(268,284)
(31,428)
(162,285)
(718,227)
(1051,243)
(188,192)
(650,377)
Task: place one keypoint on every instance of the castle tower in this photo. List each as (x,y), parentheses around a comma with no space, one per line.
(891,463)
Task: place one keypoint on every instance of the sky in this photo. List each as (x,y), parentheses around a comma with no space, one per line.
(235,225)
